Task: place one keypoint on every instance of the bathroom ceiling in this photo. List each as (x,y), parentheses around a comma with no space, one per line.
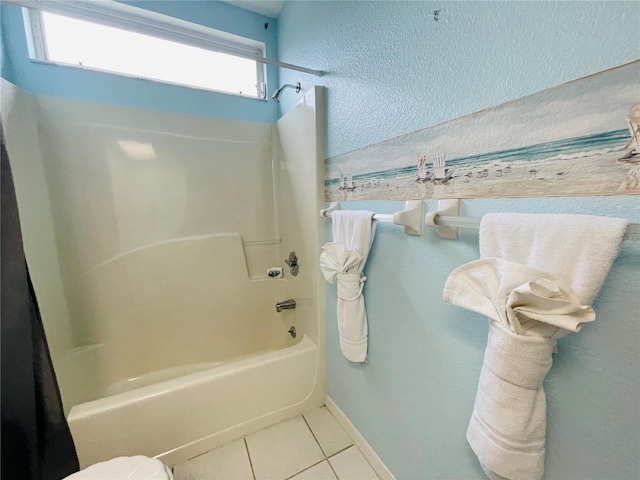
(270,8)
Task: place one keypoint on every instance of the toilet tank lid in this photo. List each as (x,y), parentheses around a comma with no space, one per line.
(130,468)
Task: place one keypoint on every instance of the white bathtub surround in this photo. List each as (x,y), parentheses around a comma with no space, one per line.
(342,261)
(310,446)
(144,264)
(529,309)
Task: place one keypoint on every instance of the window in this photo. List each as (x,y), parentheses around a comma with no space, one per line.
(129,41)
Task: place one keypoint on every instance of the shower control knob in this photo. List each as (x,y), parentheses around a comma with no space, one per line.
(292,262)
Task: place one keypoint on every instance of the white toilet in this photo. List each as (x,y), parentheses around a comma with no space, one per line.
(125,468)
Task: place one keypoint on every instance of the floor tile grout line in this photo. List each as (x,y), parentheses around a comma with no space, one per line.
(307,468)
(329,459)
(314,437)
(246,446)
(360,451)
(321,449)
(332,469)
(325,456)
(340,451)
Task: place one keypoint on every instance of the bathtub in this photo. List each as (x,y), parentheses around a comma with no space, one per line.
(178,419)
(150,270)
(172,365)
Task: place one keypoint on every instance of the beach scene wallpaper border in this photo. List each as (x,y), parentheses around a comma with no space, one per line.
(581,138)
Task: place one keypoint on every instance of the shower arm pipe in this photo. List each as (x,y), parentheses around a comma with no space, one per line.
(114,13)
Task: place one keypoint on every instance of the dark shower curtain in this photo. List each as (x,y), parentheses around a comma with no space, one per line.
(36,441)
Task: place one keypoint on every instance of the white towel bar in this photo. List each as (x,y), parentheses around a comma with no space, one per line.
(445,219)
(410,218)
(381,217)
(632,233)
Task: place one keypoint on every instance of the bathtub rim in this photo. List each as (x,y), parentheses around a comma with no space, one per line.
(87,409)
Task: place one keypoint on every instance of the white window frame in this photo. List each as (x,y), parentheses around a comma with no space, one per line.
(126,17)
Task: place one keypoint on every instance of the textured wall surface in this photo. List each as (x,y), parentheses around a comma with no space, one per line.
(102,87)
(394,70)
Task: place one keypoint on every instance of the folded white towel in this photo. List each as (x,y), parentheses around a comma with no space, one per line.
(528,308)
(343,261)
(578,248)
(538,276)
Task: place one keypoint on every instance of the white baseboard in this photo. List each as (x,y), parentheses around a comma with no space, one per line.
(359,441)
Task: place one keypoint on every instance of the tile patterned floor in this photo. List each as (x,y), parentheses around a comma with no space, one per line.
(312,446)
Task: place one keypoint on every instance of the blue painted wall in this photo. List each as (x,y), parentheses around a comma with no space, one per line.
(69,82)
(393,70)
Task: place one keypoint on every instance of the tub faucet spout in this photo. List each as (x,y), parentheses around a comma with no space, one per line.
(286,305)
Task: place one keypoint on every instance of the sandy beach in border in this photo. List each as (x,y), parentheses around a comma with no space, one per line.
(598,175)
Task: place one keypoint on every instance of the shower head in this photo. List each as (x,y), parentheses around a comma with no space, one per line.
(276,94)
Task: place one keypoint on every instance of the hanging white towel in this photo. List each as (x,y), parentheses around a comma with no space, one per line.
(578,248)
(550,268)
(528,309)
(343,261)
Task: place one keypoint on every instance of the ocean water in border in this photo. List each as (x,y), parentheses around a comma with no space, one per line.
(580,138)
